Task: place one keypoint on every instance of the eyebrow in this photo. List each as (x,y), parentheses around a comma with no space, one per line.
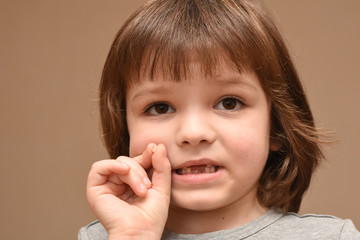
(151,90)
(233,80)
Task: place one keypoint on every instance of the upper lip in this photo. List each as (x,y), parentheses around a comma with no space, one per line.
(197,163)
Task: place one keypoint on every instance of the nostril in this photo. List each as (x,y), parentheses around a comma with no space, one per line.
(195,142)
(194,132)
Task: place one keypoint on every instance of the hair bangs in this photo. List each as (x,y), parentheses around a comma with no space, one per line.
(183,32)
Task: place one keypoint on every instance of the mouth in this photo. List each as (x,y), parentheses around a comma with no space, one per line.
(197,169)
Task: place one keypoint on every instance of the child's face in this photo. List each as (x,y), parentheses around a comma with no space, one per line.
(216,132)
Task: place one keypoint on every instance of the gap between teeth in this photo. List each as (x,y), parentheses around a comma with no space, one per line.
(189,170)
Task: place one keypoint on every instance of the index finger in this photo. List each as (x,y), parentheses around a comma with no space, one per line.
(101,170)
(144,159)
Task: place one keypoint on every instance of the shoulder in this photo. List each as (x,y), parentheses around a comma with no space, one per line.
(276,225)
(317,226)
(93,231)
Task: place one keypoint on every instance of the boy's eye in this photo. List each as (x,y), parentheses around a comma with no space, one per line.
(229,103)
(159,108)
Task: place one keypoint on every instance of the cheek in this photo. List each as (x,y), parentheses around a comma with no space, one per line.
(141,136)
(139,139)
(250,143)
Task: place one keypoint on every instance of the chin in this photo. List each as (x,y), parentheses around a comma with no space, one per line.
(197,202)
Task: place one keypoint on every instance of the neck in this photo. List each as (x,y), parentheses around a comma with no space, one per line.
(196,222)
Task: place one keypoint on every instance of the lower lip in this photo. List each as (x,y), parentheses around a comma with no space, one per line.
(198,178)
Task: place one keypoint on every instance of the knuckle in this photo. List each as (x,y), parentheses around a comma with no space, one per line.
(94,166)
(120,158)
(123,159)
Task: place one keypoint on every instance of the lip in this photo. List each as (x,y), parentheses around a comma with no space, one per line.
(197,178)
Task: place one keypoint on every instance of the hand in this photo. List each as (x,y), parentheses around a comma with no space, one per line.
(122,197)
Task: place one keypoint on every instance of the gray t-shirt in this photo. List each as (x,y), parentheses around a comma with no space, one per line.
(270,226)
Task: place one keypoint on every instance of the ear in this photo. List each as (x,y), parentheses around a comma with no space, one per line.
(275,145)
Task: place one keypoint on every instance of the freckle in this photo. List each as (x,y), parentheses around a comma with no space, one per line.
(223,218)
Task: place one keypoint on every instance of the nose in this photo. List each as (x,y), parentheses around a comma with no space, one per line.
(195,128)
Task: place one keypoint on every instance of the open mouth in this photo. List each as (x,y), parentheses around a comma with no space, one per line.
(198,169)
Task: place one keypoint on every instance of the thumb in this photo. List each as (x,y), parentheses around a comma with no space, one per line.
(161,179)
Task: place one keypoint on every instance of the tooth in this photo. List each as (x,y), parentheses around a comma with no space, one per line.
(188,170)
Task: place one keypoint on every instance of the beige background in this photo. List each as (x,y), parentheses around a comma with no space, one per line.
(51,56)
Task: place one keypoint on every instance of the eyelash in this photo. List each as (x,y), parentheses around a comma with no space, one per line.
(152,106)
(168,109)
(238,102)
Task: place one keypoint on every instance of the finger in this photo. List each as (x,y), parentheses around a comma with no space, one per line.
(135,182)
(101,170)
(145,159)
(161,178)
(136,168)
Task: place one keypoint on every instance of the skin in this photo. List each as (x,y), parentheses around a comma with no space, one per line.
(122,197)
(222,121)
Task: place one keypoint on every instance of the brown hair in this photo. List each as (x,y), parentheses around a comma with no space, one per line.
(165,34)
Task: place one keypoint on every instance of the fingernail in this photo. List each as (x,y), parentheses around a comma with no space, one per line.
(147,182)
(154,148)
(143,188)
(124,165)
